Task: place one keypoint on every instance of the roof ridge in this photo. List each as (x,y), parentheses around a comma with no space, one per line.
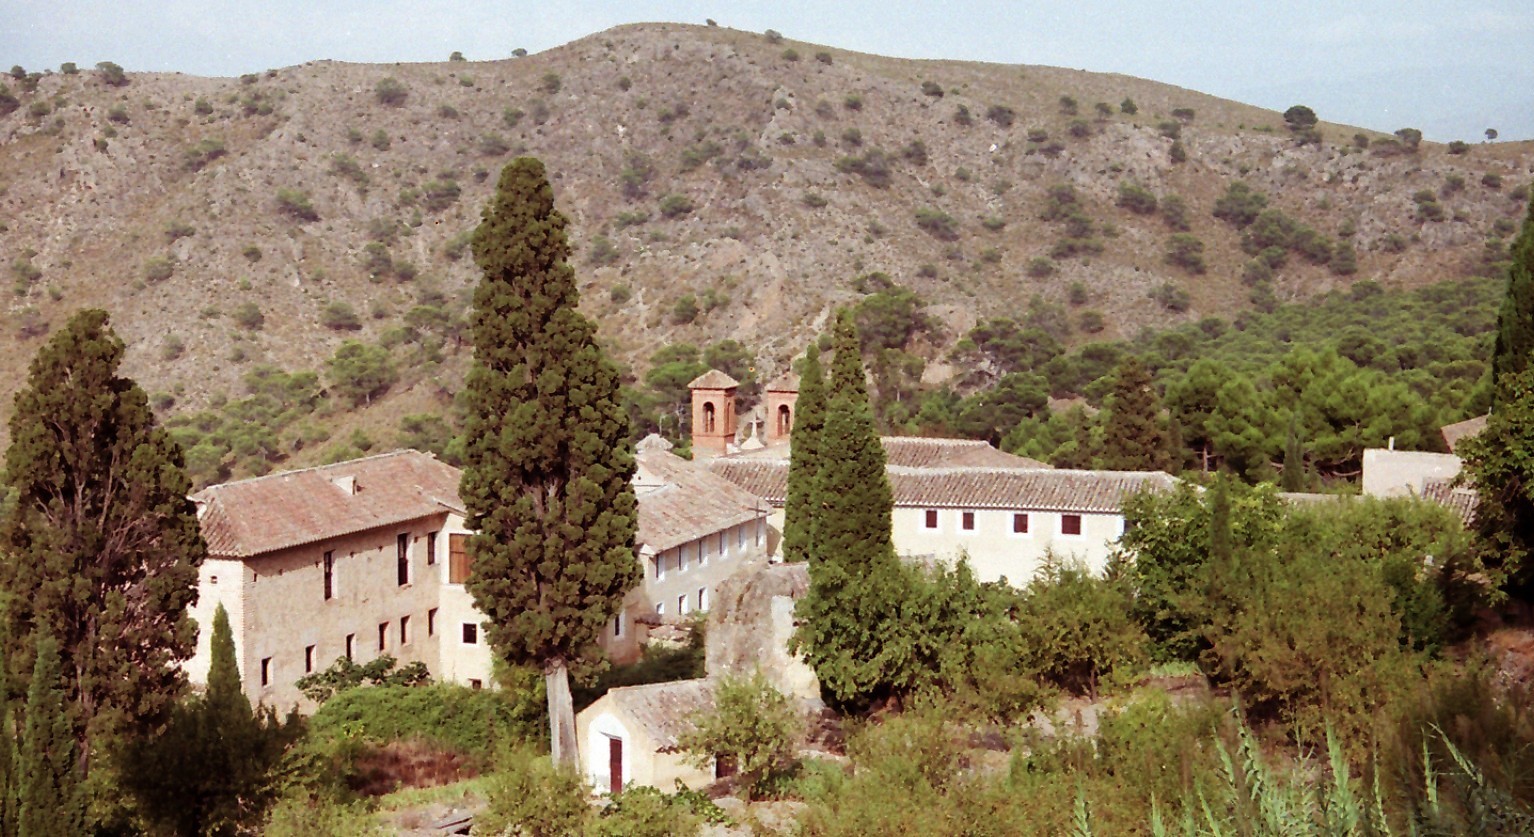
(311,468)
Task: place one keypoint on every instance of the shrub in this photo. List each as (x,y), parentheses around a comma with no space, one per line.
(178,229)
(1169,129)
(814,200)
(932,88)
(203,153)
(915,153)
(550,83)
(685,310)
(1240,205)
(339,316)
(602,251)
(823,57)
(1459,147)
(1186,251)
(1491,180)
(379,140)
(852,137)
(773,36)
(790,54)
(202,107)
(625,83)
(1040,267)
(873,166)
(158,269)
(1128,106)
(620,294)
(1172,297)
(962,117)
(172,348)
(1410,138)
(390,91)
(1092,322)
(993,223)
(437,195)
(1175,212)
(248,316)
(531,795)
(1183,115)
(112,74)
(1079,128)
(751,724)
(8,101)
(937,223)
(852,101)
(1001,115)
(295,203)
(359,372)
(1136,198)
(676,206)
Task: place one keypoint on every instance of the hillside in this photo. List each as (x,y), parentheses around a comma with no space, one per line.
(228,223)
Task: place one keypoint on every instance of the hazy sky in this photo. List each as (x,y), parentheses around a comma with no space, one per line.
(1450,69)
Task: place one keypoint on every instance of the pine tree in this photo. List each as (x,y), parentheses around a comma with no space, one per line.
(548,459)
(804,460)
(850,631)
(102,544)
(1134,438)
(48,783)
(1515,322)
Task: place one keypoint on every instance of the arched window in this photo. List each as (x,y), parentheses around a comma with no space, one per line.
(785,420)
(708,417)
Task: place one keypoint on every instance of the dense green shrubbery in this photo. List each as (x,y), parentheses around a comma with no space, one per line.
(472,722)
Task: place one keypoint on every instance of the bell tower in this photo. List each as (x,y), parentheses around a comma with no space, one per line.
(782,398)
(713,413)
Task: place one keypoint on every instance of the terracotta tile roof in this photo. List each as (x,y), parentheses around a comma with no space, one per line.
(922,452)
(663,710)
(786,382)
(1454,433)
(1047,489)
(713,379)
(250,517)
(681,501)
(1461,499)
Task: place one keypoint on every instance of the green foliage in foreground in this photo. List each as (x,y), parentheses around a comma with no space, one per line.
(751,724)
(473,722)
(344,675)
(532,796)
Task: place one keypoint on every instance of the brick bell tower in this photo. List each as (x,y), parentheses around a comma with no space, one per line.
(782,401)
(713,413)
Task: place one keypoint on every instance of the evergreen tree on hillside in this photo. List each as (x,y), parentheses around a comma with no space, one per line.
(804,460)
(548,459)
(9,804)
(48,782)
(101,544)
(849,625)
(1134,437)
(1515,322)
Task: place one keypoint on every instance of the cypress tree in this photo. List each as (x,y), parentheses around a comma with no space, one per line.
(48,784)
(804,460)
(9,804)
(1293,477)
(548,461)
(1515,321)
(849,630)
(1134,438)
(102,545)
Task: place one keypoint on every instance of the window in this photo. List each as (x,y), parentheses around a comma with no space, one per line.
(351,646)
(308,659)
(708,417)
(330,576)
(404,630)
(660,608)
(402,558)
(457,559)
(470,633)
(761,527)
(431,549)
(723,547)
(618,626)
(681,604)
(929,519)
(476,684)
(1019,523)
(703,598)
(431,622)
(740,536)
(660,566)
(681,557)
(266,671)
(967,521)
(383,635)
(1070,524)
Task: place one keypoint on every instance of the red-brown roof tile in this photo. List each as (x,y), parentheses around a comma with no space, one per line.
(255,516)
(681,501)
(713,379)
(665,711)
(1454,433)
(1461,499)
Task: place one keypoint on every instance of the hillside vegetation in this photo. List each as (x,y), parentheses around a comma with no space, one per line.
(721,185)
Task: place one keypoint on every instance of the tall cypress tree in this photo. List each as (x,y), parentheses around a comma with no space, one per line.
(1134,438)
(102,545)
(548,459)
(1515,321)
(9,804)
(48,784)
(849,625)
(804,460)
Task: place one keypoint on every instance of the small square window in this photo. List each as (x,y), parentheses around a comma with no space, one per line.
(308,659)
(1019,524)
(929,519)
(431,622)
(266,671)
(1070,524)
(967,521)
(470,633)
(476,684)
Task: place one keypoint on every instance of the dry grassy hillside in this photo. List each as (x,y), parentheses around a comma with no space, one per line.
(705,159)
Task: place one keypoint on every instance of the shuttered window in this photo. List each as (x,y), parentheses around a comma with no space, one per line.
(457,559)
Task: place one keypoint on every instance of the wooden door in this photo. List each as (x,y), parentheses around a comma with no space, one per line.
(615,764)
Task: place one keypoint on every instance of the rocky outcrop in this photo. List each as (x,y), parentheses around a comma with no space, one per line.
(751,623)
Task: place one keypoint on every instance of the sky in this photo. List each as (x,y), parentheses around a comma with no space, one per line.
(1450,70)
